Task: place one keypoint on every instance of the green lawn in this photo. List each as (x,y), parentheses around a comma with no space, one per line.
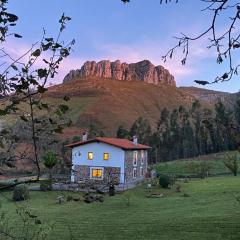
(183,168)
(210,212)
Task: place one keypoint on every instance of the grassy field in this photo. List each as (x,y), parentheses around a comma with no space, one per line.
(185,167)
(209,212)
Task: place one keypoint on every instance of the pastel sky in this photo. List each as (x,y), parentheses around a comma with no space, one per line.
(109,29)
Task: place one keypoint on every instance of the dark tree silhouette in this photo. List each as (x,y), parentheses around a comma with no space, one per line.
(22,83)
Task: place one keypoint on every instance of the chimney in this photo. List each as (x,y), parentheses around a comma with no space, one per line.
(135,140)
(84,136)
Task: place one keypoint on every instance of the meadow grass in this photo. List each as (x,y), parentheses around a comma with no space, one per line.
(184,167)
(209,212)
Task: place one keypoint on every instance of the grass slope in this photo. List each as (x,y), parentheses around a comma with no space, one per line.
(185,167)
(118,102)
(211,212)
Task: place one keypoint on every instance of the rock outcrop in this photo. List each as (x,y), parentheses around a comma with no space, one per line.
(140,71)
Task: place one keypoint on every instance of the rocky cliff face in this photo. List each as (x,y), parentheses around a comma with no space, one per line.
(141,71)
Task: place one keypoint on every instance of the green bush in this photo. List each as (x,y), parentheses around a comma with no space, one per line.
(20,192)
(164,181)
(231,163)
(69,198)
(45,185)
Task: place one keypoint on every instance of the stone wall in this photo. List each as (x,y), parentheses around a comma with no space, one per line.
(129,166)
(110,174)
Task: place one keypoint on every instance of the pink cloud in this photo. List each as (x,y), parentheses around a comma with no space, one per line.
(18,48)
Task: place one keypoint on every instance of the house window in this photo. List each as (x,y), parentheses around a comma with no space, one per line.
(105,156)
(90,155)
(134,173)
(141,171)
(96,173)
(142,157)
(135,156)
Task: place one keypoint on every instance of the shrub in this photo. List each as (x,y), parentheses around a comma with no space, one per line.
(231,163)
(20,192)
(45,185)
(164,181)
(69,198)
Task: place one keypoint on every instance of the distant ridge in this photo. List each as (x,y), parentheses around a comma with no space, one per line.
(141,71)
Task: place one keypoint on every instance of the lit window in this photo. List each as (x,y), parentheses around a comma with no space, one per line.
(142,157)
(134,173)
(141,171)
(105,156)
(135,156)
(96,173)
(90,155)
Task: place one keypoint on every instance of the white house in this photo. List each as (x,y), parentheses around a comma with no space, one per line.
(104,160)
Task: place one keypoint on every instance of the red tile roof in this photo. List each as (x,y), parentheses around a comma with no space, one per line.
(117,142)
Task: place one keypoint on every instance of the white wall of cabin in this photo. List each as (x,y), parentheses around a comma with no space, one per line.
(116,156)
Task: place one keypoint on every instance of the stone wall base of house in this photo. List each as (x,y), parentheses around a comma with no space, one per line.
(82,175)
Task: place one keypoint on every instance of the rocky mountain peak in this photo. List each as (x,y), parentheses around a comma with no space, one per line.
(141,71)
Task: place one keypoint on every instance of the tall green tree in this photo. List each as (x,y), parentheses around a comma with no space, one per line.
(237,110)
(50,161)
(122,132)
(142,129)
(224,120)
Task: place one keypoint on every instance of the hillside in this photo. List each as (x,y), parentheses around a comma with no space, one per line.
(108,94)
(107,103)
(211,96)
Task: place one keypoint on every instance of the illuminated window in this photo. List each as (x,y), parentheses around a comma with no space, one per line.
(135,156)
(134,173)
(90,155)
(105,156)
(97,173)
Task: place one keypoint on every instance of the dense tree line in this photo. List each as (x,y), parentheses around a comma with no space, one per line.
(183,133)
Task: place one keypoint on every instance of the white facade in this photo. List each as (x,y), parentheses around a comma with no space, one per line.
(116,156)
